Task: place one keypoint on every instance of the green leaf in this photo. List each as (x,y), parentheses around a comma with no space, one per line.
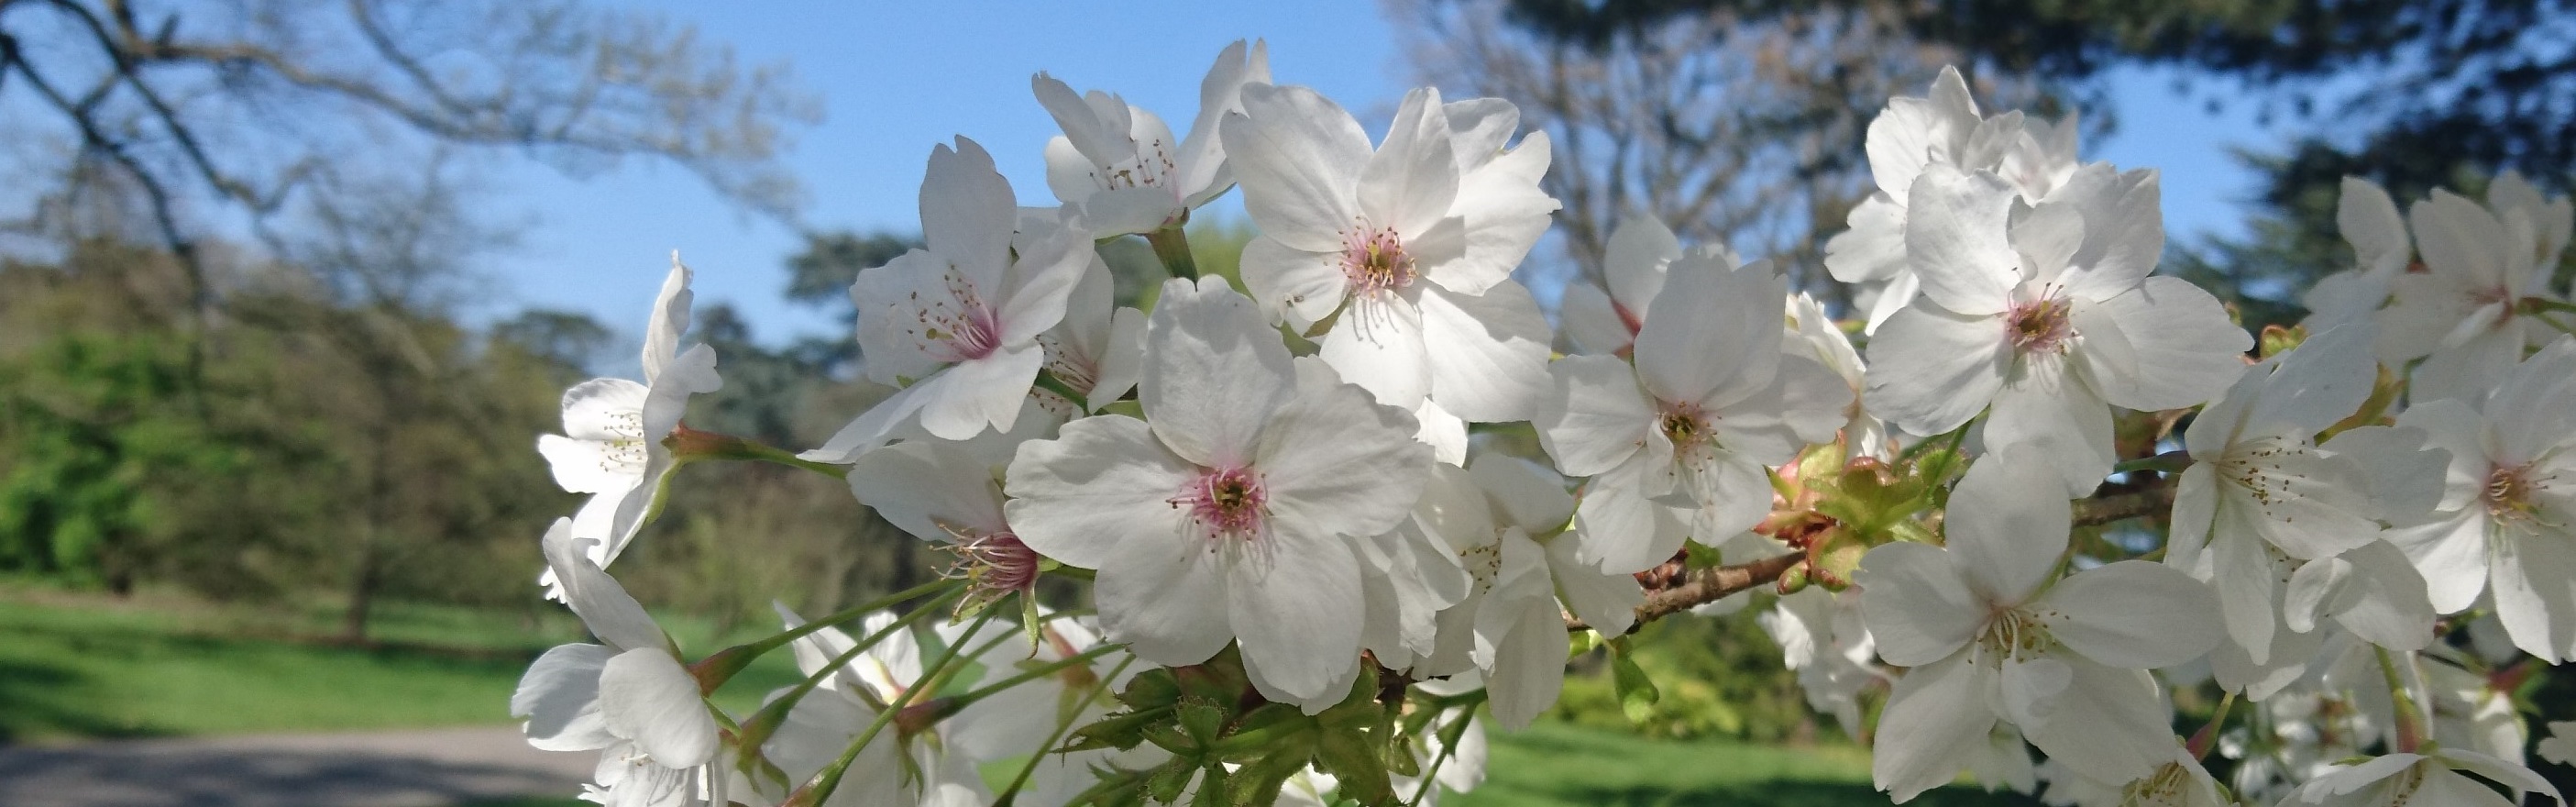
(1123,730)
(1637,693)
(1352,757)
(1168,781)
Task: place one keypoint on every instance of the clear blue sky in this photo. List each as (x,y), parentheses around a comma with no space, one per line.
(895,84)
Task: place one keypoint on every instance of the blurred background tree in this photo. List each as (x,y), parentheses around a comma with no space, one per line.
(316,414)
(2412,94)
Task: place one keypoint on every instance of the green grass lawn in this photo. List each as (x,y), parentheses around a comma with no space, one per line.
(1556,764)
(83,667)
(76,667)
(1562,765)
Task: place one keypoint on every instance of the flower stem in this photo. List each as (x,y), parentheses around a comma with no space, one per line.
(2207,737)
(691,444)
(1172,247)
(2410,719)
(1063,725)
(1047,381)
(2168,462)
(1449,738)
(1025,676)
(714,670)
(756,731)
(819,790)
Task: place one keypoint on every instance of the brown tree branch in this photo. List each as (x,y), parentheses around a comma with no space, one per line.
(1715,583)
(1705,586)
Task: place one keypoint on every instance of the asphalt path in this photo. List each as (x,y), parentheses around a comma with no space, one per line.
(417,768)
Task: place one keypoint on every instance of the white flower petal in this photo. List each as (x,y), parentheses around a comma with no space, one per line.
(1079,496)
(2054,414)
(1636,259)
(1955,239)
(1411,179)
(1301,287)
(2452,554)
(2133,614)
(1625,532)
(559,696)
(1336,463)
(1718,338)
(1378,345)
(1201,173)
(1596,417)
(1534,498)
(1214,372)
(2318,384)
(2384,602)
(602,604)
(2031,688)
(1874,248)
(971,396)
(2186,350)
(1160,592)
(1298,157)
(1297,607)
(1487,353)
(967,212)
(1931,370)
(2534,574)
(931,490)
(1529,664)
(2112,725)
(1936,719)
(1591,322)
(604,409)
(646,696)
(2007,525)
(1608,602)
(1916,604)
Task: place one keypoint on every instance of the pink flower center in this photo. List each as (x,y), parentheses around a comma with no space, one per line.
(1374,260)
(956,327)
(1226,503)
(2511,492)
(2040,326)
(994,565)
(1684,424)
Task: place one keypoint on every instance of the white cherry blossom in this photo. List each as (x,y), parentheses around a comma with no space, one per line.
(1823,637)
(1602,320)
(2260,496)
(1911,134)
(1991,635)
(2381,251)
(1407,249)
(2507,520)
(627,697)
(1814,335)
(1120,165)
(1224,514)
(959,321)
(2437,777)
(1507,520)
(823,724)
(1099,347)
(2049,315)
(612,447)
(1679,444)
(2463,315)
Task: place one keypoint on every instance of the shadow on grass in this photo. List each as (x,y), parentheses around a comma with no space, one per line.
(1779,794)
(115,676)
(34,697)
(155,773)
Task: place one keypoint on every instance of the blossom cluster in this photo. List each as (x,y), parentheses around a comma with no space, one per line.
(1341,513)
